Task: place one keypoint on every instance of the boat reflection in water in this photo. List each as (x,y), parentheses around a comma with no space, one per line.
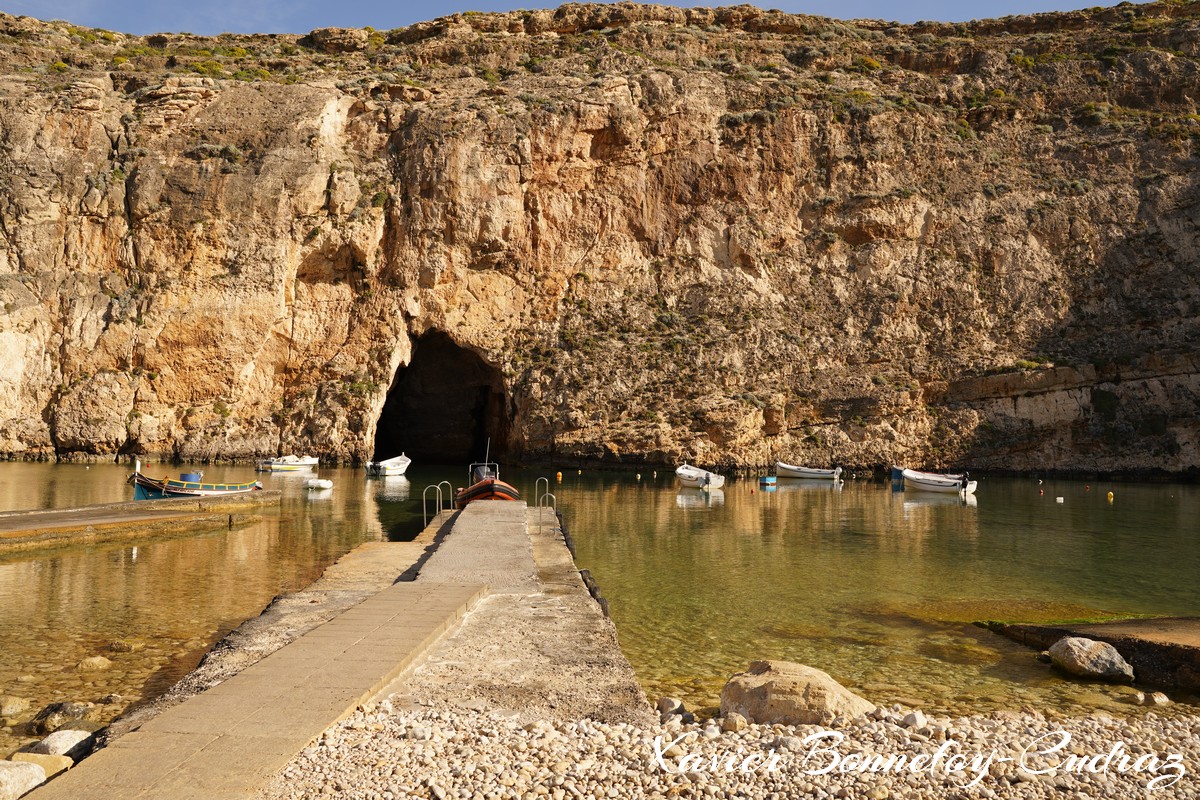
(700,498)
(933,499)
(391,488)
(805,485)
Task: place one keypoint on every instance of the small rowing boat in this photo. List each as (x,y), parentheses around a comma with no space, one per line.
(938,482)
(146,488)
(288,463)
(395,465)
(809,473)
(699,478)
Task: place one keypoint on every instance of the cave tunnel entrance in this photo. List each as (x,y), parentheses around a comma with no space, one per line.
(443,407)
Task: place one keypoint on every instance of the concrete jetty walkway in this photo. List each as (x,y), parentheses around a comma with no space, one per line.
(227,742)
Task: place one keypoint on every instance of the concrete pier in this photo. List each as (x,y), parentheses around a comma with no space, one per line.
(63,527)
(535,634)
(1164,652)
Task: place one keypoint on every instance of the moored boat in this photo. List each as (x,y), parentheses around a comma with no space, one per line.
(396,465)
(146,488)
(699,478)
(809,473)
(485,485)
(938,482)
(288,463)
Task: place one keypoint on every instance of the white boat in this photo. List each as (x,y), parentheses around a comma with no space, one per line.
(783,470)
(938,482)
(389,466)
(699,478)
(287,463)
(318,483)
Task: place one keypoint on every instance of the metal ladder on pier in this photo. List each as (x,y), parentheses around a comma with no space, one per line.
(439,500)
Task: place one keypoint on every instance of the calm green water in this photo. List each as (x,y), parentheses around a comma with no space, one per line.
(878,589)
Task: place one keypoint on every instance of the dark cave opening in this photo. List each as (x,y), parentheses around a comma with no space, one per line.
(443,407)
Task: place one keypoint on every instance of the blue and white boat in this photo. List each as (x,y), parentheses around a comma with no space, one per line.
(146,488)
(807,473)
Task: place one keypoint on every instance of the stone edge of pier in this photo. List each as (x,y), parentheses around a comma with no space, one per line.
(139,519)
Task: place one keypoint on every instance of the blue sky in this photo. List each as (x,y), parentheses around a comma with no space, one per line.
(210,17)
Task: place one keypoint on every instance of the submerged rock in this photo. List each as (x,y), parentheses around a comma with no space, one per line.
(11,706)
(94,664)
(790,694)
(59,715)
(1088,658)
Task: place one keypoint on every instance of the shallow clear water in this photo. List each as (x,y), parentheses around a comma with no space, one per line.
(877,588)
(169,599)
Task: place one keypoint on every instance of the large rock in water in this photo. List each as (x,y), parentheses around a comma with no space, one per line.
(790,694)
(1088,658)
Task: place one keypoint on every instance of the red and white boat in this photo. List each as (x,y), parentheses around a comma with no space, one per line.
(485,485)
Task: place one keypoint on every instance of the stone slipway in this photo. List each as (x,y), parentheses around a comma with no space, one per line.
(1163,652)
(536,642)
(537,647)
(37,529)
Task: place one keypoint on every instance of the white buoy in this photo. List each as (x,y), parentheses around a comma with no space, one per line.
(1058,499)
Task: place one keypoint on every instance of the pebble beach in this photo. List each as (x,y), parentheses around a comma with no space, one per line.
(386,753)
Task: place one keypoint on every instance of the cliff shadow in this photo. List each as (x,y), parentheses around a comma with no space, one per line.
(1114,385)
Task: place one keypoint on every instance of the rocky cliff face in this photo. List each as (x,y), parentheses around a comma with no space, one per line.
(620,233)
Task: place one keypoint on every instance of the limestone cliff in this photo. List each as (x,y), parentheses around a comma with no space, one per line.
(621,233)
